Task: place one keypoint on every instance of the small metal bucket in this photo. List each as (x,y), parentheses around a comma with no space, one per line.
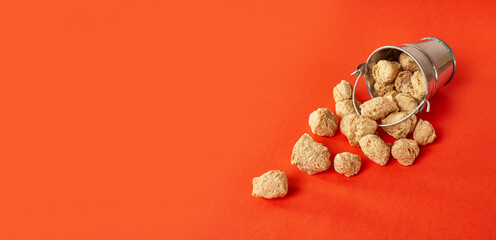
(434,57)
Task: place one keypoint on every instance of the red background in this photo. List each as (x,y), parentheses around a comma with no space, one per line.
(149,119)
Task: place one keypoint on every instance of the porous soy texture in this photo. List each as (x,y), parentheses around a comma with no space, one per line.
(405,151)
(355,126)
(342,91)
(419,88)
(402,129)
(310,156)
(424,133)
(383,89)
(378,108)
(406,103)
(345,107)
(323,122)
(375,149)
(272,184)
(347,163)
(385,71)
(407,63)
(403,83)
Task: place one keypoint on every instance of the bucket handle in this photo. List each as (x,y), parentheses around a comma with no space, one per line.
(360,70)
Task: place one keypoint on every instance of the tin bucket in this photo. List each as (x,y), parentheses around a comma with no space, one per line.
(434,57)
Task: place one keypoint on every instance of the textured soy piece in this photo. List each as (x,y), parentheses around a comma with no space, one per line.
(418,86)
(406,103)
(424,133)
(345,107)
(385,71)
(383,89)
(407,63)
(402,129)
(378,108)
(355,126)
(405,151)
(310,156)
(323,122)
(403,82)
(272,184)
(375,149)
(342,91)
(347,163)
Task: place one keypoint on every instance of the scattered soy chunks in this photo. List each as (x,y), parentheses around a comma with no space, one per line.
(419,88)
(406,103)
(385,71)
(347,163)
(378,108)
(310,156)
(342,91)
(405,151)
(402,129)
(375,149)
(424,133)
(345,107)
(407,63)
(355,126)
(403,82)
(272,184)
(323,122)
(383,89)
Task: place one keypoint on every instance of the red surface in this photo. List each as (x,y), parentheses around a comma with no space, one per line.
(149,119)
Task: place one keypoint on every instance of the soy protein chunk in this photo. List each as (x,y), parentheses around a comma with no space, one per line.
(402,129)
(424,133)
(355,126)
(403,82)
(323,122)
(342,91)
(419,88)
(347,163)
(310,156)
(392,94)
(405,151)
(406,103)
(272,184)
(407,63)
(385,71)
(375,149)
(383,89)
(345,107)
(378,108)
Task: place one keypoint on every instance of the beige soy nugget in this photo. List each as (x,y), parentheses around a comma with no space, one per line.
(378,108)
(383,89)
(405,151)
(424,133)
(403,82)
(355,126)
(345,107)
(375,149)
(402,129)
(347,163)
(407,63)
(310,156)
(272,184)
(418,86)
(323,122)
(406,103)
(342,91)
(385,71)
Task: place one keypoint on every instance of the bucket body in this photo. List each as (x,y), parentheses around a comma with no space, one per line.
(435,58)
